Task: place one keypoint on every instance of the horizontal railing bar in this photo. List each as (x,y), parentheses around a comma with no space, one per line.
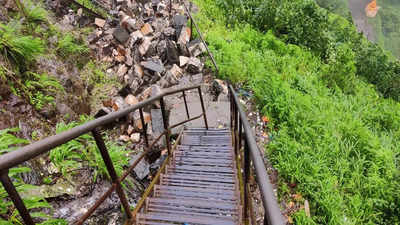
(183,122)
(270,204)
(33,150)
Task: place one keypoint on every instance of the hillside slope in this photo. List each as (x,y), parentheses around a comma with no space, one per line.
(334,138)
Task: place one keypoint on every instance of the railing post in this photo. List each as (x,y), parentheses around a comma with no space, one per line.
(111,171)
(191,28)
(144,127)
(164,116)
(15,197)
(231,111)
(186,106)
(240,135)
(202,107)
(246,176)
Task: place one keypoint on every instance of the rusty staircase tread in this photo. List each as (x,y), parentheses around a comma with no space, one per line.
(199,184)
(168,217)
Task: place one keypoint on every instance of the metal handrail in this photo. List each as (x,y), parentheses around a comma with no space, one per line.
(241,127)
(33,150)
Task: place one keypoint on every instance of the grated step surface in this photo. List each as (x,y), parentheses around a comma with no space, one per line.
(200,184)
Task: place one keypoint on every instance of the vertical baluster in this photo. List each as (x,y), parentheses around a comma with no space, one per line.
(186,106)
(202,107)
(246,179)
(144,127)
(191,28)
(111,171)
(164,116)
(15,197)
(240,134)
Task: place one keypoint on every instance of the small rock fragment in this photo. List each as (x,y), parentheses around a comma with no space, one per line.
(183,60)
(122,70)
(172,52)
(142,169)
(197,78)
(138,70)
(130,129)
(136,36)
(131,100)
(124,138)
(99,22)
(184,36)
(135,137)
(144,47)
(146,29)
(196,48)
(195,65)
(153,65)
(121,35)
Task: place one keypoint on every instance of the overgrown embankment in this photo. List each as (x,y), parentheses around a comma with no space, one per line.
(334,137)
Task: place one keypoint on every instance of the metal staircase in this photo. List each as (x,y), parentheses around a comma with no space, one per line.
(199,185)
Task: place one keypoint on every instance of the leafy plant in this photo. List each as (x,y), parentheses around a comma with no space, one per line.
(35,13)
(68,46)
(8,143)
(17,47)
(41,89)
(83,151)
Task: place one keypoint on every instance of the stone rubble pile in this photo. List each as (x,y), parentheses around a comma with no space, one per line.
(148,50)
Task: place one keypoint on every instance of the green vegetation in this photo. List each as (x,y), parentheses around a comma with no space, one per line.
(304,23)
(69,47)
(335,140)
(100,84)
(18,48)
(89,4)
(82,152)
(340,7)
(8,214)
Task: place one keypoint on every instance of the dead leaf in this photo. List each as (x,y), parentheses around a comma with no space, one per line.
(297,197)
(265,119)
(290,219)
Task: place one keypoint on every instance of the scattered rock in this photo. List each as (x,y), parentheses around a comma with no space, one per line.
(122,70)
(124,138)
(146,29)
(157,124)
(196,48)
(172,52)
(194,65)
(121,35)
(131,100)
(142,169)
(99,22)
(153,65)
(184,36)
(144,47)
(135,137)
(197,78)
(183,60)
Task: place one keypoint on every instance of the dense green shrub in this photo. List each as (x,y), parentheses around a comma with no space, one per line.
(333,136)
(20,49)
(304,23)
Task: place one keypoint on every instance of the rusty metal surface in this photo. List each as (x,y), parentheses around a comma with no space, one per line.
(200,184)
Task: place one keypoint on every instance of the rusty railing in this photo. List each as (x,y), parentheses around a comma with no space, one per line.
(33,150)
(250,154)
